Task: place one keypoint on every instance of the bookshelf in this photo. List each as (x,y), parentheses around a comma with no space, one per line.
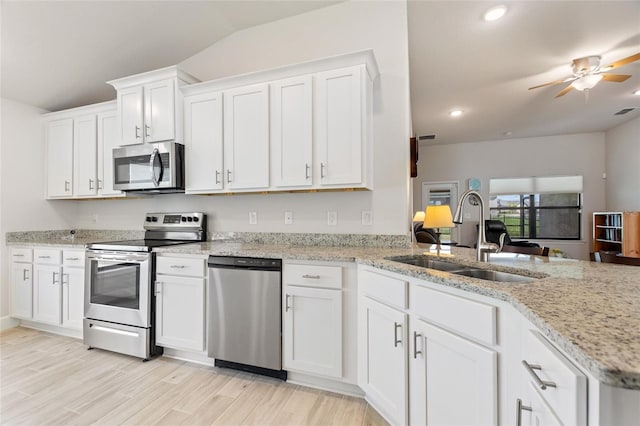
(617,232)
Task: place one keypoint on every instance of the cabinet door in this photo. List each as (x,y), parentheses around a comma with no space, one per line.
(203,142)
(246,137)
(47,294)
(310,344)
(130,115)
(72,297)
(107,141)
(291,131)
(60,158)
(383,358)
(22,287)
(85,149)
(448,372)
(180,312)
(534,411)
(159,111)
(339,121)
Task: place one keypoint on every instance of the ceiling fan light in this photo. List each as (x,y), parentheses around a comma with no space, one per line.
(455,113)
(495,13)
(586,82)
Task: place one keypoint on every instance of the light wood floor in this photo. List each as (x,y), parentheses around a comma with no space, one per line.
(49,379)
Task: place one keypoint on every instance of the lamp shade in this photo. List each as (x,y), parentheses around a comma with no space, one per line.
(419,216)
(438,217)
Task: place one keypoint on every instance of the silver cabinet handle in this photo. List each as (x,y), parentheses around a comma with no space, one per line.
(63,281)
(307,169)
(54,279)
(90,184)
(67,185)
(158,287)
(147,131)
(24,274)
(395,334)
(415,344)
(217,177)
(99,183)
(72,258)
(177,266)
(18,255)
(44,257)
(519,408)
(322,167)
(542,384)
(286,303)
(228,176)
(313,277)
(137,132)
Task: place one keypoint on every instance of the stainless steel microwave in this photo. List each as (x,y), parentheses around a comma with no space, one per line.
(157,167)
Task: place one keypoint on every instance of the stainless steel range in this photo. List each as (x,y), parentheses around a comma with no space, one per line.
(119,305)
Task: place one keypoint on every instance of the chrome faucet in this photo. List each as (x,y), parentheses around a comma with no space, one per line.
(483,247)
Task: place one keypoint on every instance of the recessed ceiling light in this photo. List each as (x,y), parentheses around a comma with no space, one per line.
(507,133)
(495,13)
(455,113)
(637,92)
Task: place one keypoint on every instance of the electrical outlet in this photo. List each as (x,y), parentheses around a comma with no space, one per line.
(288,218)
(332,218)
(253,218)
(367,217)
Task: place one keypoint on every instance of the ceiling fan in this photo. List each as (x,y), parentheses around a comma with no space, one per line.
(587,73)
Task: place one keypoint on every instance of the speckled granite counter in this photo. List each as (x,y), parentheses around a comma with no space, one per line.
(65,239)
(591,310)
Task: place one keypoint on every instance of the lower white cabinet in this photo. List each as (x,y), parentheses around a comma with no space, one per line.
(453,381)
(532,410)
(180,303)
(72,297)
(22,283)
(313,330)
(47,294)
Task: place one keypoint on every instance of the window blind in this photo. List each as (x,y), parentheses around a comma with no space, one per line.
(536,185)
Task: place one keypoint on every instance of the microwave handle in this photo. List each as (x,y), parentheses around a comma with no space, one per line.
(156,178)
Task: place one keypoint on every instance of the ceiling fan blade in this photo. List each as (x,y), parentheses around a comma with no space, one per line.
(622,62)
(616,78)
(566,80)
(564,91)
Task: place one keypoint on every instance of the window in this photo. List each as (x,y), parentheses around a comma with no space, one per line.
(538,207)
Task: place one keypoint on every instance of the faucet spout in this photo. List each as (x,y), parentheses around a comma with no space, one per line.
(483,247)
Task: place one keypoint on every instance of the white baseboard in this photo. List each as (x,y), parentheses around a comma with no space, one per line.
(8,322)
(195,357)
(324,384)
(52,329)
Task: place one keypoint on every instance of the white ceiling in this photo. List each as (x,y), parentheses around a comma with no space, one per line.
(57,55)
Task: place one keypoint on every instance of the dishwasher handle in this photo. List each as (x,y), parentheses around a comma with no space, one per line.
(245,263)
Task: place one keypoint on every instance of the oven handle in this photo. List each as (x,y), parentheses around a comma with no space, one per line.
(127,257)
(153,160)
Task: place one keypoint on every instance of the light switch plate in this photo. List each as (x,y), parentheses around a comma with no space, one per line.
(367,217)
(253,218)
(288,218)
(332,218)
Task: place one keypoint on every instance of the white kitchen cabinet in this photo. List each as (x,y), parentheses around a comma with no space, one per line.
(453,381)
(341,125)
(85,148)
(107,141)
(203,142)
(313,330)
(72,288)
(382,356)
(47,294)
(246,137)
(150,106)
(292,132)
(180,303)
(22,283)
(59,140)
(532,410)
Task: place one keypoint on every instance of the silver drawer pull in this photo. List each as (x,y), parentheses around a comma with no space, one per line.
(307,169)
(519,408)
(286,303)
(395,334)
(44,257)
(18,255)
(415,344)
(54,281)
(24,274)
(72,258)
(542,384)
(177,266)
(313,277)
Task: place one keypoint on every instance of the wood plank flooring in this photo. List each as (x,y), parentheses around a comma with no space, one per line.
(50,379)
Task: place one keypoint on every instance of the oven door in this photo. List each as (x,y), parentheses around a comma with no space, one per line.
(118,287)
(148,167)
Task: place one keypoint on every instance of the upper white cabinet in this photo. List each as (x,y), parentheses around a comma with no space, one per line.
(79,145)
(150,106)
(302,126)
(246,137)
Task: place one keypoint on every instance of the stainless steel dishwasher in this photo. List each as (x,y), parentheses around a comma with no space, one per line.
(245,320)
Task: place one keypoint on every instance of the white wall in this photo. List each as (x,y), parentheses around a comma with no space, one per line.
(337,29)
(579,154)
(623,166)
(22,202)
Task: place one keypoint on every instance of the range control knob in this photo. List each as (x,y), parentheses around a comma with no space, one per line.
(196,219)
(184,219)
(189,219)
(148,219)
(154,219)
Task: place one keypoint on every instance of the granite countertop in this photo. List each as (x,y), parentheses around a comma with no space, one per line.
(590,310)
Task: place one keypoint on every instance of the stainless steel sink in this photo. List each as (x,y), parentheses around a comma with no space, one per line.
(485,274)
(425,262)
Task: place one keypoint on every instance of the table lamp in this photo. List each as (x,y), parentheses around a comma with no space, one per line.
(436,217)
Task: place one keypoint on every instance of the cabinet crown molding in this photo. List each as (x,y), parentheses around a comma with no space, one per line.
(151,76)
(81,110)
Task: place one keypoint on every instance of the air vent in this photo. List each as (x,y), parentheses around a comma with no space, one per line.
(426,137)
(624,111)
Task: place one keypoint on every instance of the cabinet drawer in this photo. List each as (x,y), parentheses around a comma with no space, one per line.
(385,288)
(47,256)
(21,255)
(313,276)
(73,258)
(568,398)
(187,267)
(474,319)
